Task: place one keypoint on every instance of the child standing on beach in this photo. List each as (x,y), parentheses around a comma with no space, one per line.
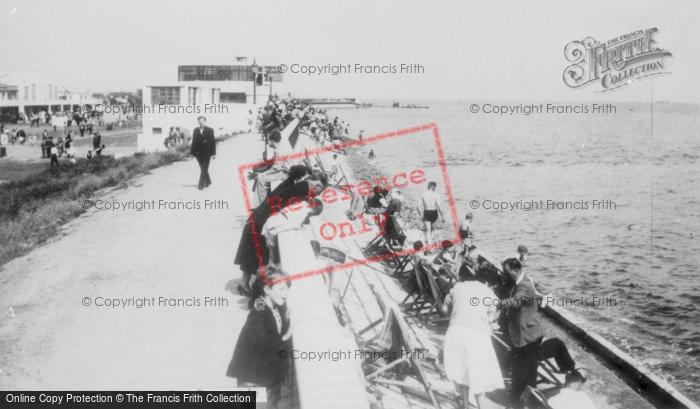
(465,231)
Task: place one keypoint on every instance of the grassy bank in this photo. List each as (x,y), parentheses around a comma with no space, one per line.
(25,160)
(18,169)
(33,208)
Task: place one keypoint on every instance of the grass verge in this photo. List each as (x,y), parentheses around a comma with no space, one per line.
(33,209)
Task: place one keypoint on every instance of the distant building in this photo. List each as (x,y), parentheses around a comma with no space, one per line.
(8,92)
(229,95)
(28,92)
(236,81)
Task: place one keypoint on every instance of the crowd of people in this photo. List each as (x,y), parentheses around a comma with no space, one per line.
(58,142)
(469,356)
(84,122)
(508,306)
(266,331)
(314,121)
(176,137)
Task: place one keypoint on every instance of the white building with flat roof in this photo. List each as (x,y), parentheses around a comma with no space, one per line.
(228,95)
(32,92)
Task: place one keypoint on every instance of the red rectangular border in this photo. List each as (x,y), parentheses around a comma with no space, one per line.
(416,129)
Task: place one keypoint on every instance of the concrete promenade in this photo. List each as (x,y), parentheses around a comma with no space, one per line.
(50,340)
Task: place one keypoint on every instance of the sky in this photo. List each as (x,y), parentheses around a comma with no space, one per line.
(489,50)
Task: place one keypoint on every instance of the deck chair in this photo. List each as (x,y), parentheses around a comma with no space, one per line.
(307,159)
(319,164)
(383,246)
(420,297)
(405,266)
(435,294)
(382,308)
(342,181)
(394,337)
(358,205)
(439,293)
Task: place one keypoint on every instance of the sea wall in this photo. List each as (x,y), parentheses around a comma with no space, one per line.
(321,383)
(646,383)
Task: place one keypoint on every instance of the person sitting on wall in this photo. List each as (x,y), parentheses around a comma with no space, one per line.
(520,255)
(296,173)
(279,169)
(171,139)
(252,252)
(526,333)
(281,222)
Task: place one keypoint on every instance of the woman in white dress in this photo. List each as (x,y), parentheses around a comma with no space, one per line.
(470,360)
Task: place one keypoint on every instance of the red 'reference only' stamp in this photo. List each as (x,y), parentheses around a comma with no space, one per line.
(348,216)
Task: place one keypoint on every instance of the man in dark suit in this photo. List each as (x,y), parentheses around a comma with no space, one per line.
(203,148)
(524,328)
(526,333)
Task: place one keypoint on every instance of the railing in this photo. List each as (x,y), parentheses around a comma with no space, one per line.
(321,383)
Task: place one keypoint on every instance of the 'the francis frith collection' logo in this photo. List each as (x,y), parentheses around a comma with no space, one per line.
(615,63)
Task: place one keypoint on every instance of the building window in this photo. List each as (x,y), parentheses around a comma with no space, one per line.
(165,95)
(157,131)
(273,73)
(232,97)
(193,96)
(26,93)
(225,73)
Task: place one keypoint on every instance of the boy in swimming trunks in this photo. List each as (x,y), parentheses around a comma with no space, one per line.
(429,208)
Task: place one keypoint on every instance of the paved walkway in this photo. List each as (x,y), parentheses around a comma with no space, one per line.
(49,340)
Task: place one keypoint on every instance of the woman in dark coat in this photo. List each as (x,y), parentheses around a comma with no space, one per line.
(296,174)
(256,360)
(247,256)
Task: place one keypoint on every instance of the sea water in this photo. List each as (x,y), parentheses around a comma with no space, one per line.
(640,256)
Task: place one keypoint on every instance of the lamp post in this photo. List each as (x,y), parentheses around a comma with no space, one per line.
(254,68)
(270,79)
